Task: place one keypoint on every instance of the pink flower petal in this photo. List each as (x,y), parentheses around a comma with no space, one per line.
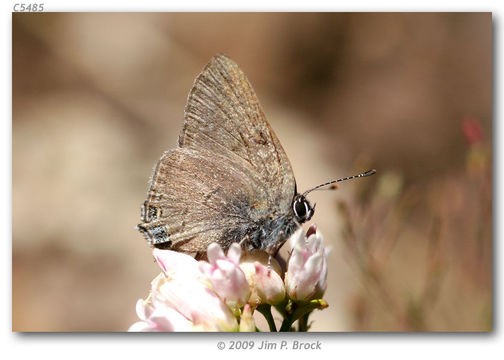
(225,275)
(197,303)
(234,253)
(306,276)
(214,252)
(168,319)
(142,326)
(206,268)
(142,310)
(172,261)
(269,285)
(297,239)
(159,318)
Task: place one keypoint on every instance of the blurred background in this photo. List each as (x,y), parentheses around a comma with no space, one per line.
(97,98)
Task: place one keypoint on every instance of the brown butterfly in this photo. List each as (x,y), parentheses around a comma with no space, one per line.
(229,180)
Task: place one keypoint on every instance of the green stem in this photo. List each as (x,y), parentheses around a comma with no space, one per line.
(286,324)
(299,310)
(265,309)
(283,306)
(303,323)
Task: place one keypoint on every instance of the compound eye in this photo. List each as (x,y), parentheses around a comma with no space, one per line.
(301,209)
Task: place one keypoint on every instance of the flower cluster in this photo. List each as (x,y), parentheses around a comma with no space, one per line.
(222,294)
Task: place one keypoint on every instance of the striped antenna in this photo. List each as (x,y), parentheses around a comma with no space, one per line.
(333,183)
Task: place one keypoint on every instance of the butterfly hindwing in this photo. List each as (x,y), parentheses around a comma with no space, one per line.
(196,198)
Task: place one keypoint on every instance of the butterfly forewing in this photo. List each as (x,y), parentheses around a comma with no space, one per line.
(223,115)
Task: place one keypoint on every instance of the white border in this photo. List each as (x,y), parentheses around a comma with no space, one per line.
(339,346)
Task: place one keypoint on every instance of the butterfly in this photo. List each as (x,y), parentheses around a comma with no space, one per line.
(229,180)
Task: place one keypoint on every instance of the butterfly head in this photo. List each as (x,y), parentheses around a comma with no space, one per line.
(303,211)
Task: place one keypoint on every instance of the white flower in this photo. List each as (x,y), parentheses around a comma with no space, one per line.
(265,280)
(181,293)
(159,316)
(223,293)
(306,276)
(225,275)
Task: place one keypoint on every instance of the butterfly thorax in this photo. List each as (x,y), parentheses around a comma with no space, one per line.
(266,234)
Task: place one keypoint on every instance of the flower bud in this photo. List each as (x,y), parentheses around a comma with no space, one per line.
(247,323)
(225,274)
(306,276)
(269,285)
(265,281)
